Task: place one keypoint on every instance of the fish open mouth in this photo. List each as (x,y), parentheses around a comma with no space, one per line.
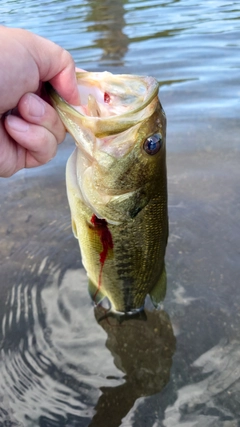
(102,95)
(109,104)
(95,102)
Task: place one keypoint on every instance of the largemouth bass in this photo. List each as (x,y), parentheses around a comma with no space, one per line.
(117,186)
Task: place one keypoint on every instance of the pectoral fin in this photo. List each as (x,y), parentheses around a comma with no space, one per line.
(158,293)
(74,228)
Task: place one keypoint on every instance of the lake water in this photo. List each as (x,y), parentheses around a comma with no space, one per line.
(58,365)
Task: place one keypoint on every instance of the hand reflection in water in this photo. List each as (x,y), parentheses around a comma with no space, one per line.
(143,350)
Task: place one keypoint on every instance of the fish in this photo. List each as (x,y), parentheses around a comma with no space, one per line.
(116,182)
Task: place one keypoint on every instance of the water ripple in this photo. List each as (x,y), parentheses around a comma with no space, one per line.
(41,351)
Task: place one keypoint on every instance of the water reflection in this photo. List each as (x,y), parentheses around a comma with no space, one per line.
(56,361)
(143,350)
(106,18)
(214,399)
(202,58)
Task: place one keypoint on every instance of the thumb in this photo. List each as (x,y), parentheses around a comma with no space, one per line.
(54,64)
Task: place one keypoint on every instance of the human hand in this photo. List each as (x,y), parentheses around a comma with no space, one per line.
(30,134)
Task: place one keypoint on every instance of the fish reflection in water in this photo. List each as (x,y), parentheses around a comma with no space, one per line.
(54,363)
(143,350)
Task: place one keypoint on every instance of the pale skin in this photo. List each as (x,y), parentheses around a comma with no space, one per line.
(30,134)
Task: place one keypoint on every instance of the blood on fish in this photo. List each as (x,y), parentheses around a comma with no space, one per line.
(101,226)
(106,97)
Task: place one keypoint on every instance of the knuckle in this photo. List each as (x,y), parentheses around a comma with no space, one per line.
(7,170)
(67,56)
(58,129)
(6,173)
(48,146)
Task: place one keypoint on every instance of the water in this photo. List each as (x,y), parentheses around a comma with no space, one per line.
(58,365)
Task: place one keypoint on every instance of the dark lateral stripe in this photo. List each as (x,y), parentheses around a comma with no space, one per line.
(128,292)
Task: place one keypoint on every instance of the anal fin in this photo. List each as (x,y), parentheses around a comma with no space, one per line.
(158,292)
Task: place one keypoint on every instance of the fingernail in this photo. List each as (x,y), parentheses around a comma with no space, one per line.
(17,124)
(36,107)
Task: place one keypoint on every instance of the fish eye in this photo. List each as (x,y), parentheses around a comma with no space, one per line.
(153,144)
